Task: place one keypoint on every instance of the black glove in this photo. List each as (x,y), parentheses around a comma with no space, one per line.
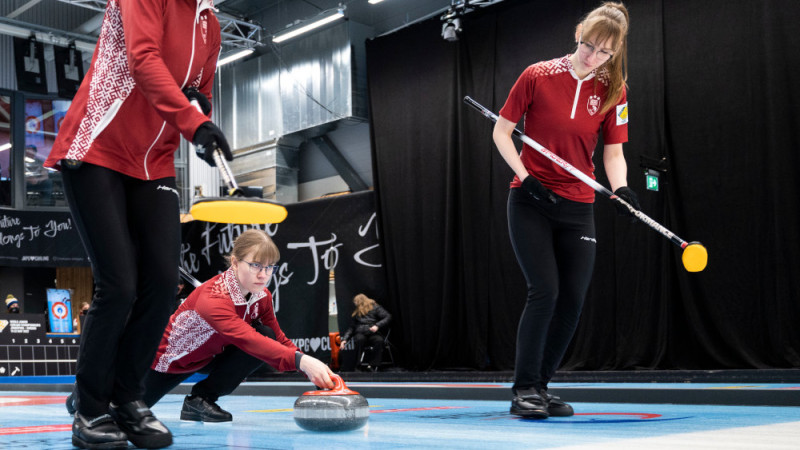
(630,197)
(532,186)
(193,94)
(207,139)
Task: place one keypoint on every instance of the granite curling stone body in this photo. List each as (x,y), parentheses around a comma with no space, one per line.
(338,409)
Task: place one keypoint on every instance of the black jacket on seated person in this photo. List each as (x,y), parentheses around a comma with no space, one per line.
(361,325)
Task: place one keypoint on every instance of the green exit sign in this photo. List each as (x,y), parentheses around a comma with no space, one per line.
(651,181)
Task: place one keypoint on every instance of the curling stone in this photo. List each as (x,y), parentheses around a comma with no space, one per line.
(337,409)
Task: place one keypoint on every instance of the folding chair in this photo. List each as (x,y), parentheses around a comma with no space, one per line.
(387,350)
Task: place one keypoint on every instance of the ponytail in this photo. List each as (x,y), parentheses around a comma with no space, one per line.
(610,20)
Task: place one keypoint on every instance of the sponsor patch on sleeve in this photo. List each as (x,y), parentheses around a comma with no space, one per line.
(622,114)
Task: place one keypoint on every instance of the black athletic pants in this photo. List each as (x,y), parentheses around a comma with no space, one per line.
(131,231)
(374,340)
(555,247)
(225,373)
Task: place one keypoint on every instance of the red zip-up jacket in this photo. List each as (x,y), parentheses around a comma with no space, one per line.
(129,112)
(215,315)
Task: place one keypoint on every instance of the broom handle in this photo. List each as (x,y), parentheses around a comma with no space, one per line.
(225,171)
(222,165)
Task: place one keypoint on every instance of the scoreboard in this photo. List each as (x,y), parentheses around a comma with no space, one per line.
(26,349)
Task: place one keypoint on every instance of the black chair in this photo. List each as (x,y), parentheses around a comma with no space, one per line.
(387,358)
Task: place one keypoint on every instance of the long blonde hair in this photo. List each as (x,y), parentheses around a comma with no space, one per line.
(363,304)
(610,21)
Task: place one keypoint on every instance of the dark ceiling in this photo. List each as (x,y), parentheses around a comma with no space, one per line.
(274,15)
(83,17)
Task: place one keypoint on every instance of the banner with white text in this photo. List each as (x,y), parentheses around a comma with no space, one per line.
(40,239)
(316,238)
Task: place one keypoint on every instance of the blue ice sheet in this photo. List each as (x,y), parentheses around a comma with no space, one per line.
(267,423)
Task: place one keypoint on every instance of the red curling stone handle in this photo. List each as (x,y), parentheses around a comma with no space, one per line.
(339,388)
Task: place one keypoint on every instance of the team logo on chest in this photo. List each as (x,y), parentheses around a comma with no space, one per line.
(254,312)
(593,105)
(204,28)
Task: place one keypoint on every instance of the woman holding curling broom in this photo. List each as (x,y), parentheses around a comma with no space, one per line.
(115,149)
(566,102)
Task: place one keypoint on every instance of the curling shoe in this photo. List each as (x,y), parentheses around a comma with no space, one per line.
(70,403)
(198,409)
(141,426)
(529,404)
(97,432)
(555,406)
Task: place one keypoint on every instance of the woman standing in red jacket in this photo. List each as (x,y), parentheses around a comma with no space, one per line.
(115,150)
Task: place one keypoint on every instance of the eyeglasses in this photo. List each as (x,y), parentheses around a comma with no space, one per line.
(256,268)
(601,54)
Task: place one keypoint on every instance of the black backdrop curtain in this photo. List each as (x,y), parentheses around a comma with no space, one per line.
(709,92)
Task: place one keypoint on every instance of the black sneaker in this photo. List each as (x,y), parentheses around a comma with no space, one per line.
(555,406)
(141,426)
(529,404)
(97,432)
(70,403)
(198,409)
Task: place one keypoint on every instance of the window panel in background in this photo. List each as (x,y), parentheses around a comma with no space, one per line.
(5,150)
(43,118)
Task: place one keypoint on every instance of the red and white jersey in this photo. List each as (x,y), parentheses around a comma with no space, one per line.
(215,315)
(562,113)
(129,112)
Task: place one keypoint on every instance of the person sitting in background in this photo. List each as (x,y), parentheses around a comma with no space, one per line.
(368,319)
(182,293)
(12,305)
(81,315)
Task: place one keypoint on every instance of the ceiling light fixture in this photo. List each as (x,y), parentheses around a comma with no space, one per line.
(233,56)
(301,28)
(451,19)
(373,2)
(451,28)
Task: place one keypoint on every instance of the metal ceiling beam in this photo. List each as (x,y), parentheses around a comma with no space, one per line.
(238,33)
(235,32)
(47,35)
(30,4)
(97,5)
(342,166)
(91,26)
